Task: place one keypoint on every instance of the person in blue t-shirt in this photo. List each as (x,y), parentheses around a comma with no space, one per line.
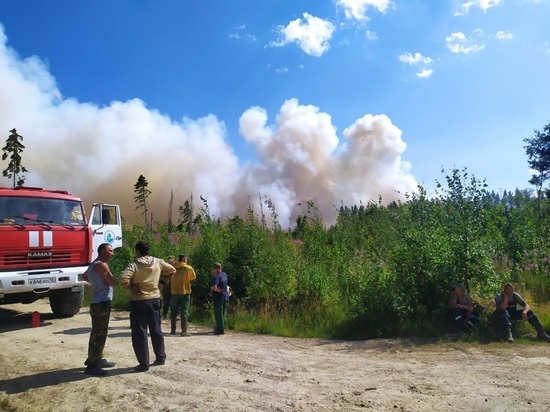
(102,280)
(220,297)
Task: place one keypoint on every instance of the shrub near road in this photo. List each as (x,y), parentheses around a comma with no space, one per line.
(379,271)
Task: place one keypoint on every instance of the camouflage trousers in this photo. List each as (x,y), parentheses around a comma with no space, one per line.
(100,313)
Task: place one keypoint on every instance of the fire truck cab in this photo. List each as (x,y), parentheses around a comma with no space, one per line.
(46,244)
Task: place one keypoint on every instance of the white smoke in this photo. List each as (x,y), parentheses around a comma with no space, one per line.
(99,152)
(302,160)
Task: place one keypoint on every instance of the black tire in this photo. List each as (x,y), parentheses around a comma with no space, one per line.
(66,302)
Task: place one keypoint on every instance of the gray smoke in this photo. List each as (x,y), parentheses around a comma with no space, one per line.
(99,152)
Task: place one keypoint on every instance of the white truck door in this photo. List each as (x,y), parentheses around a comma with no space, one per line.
(106,226)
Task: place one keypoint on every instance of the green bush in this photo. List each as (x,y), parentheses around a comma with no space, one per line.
(378,271)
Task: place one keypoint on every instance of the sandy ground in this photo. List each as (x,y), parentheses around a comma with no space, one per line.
(41,369)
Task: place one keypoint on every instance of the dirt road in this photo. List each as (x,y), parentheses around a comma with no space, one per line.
(41,369)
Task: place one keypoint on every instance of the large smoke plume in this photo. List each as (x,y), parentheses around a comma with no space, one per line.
(99,152)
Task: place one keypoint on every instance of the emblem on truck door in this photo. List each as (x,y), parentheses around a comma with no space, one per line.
(109,236)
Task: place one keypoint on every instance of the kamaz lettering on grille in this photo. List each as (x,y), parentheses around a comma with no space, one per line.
(38,255)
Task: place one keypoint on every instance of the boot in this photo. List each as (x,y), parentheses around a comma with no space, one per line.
(173,325)
(508,334)
(541,334)
(184,325)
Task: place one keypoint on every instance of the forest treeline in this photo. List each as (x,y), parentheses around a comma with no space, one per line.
(379,271)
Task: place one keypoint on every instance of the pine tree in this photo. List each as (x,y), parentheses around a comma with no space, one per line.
(537,149)
(186,216)
(141,195)
(170,207)
(13,149)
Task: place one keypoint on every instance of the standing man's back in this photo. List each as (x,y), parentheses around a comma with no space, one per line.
(181,294)
(167,293)
(220,297)
(142,277)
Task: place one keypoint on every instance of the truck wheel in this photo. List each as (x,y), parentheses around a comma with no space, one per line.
(67,302)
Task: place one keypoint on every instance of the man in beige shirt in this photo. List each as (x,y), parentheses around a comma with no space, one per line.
(142,277)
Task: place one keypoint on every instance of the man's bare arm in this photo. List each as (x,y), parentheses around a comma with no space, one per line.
(103,269)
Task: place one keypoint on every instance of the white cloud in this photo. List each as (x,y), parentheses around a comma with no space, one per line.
(482,4)
(240,33)
(98,152)
(459,43)
(415,59)
(281,70)
(477,32)
(312,34)
(424,74)
(371,35)
(504,35)
(418,59)
(357,9)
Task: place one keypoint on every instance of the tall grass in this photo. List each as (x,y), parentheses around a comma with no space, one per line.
(303,320)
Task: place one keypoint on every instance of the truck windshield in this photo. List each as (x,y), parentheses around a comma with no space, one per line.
(36,210)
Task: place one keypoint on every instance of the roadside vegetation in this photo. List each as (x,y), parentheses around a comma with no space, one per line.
(379,271)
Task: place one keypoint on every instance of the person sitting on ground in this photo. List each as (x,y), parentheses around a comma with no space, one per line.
(462,308)
(506,311)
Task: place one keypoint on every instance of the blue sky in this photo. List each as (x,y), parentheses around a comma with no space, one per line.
(337,101)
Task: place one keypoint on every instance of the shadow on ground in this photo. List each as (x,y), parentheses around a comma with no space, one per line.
(51,378)
(14,320)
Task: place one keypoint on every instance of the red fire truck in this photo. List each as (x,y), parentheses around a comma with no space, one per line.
(46,244)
